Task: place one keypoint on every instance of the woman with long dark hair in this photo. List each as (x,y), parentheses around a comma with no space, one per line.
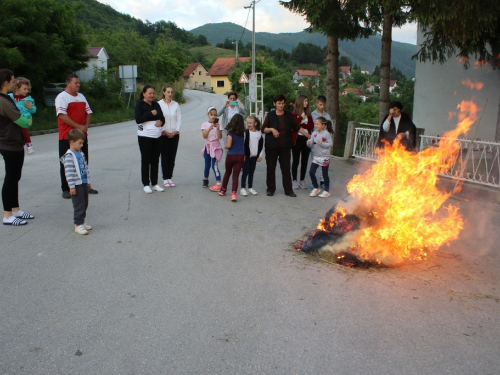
(12,149)
(149,119)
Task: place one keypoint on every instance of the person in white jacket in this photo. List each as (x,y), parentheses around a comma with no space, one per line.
(169,140)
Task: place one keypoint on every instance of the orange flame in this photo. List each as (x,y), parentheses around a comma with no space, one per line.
(473,85)
(403,217)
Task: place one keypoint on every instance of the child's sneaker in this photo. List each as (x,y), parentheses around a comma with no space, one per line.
(158,188)
(215,188)
(295,184)
(222,192)
(324,194)
(87,227)
(243,192)
(147,189)
(314,192)
(252,191)
(31,150)
(80,229)
(302,184)
(205,184)
(233,196)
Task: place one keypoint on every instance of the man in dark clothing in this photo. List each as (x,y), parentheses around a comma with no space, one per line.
(397,125)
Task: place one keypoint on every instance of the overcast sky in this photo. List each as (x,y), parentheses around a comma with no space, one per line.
(270,16)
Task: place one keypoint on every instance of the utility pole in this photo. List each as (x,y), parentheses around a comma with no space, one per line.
(236,42)
(253,78)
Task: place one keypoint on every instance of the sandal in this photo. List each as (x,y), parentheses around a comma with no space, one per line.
(24,215)
(16,222)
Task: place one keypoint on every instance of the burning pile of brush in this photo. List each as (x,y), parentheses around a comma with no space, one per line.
(395,212)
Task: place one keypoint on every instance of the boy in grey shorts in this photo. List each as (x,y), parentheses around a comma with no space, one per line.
(78,177)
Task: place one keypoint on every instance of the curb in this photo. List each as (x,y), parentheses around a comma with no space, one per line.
(50,131)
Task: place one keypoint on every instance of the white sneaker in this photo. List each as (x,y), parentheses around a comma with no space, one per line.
(243,192)
(252,191)
(302,184)
(31,150)
(147,189)
(86,226)
(80,229)
(158,188)
(324,194)
(295,184)
(314,192)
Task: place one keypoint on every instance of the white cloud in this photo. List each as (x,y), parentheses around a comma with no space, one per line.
(270,16)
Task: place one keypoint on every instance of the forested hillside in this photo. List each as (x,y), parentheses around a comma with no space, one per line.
(363,52)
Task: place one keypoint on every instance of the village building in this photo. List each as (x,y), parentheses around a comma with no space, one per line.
(301,76)
(392,85)
(196,77)
(345,72)
(439,89)
(98,58)
(220,71)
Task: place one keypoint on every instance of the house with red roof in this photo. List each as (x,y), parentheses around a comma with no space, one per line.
(220,71)
(392,85)
(98,58)
(311,75)
(345,72)
(196,77)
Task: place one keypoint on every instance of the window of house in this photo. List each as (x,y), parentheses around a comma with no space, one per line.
(199,73)
(220,83)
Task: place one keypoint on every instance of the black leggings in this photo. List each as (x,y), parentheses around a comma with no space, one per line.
(168,153)
(300,148)
(150,157)
(14,161)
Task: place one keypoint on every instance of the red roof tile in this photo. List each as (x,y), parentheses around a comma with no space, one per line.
(312,73)
(190,69)
(223,65)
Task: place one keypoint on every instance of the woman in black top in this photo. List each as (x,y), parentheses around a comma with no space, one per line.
(150,119)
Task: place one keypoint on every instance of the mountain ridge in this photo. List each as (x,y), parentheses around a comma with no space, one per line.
(363,52)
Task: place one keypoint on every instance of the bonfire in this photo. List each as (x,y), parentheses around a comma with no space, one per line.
(395,212)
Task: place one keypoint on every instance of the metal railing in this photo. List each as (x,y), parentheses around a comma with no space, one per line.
(477,161)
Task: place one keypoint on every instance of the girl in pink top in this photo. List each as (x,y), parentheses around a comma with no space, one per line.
(212,151)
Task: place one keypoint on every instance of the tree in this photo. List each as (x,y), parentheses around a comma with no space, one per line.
(345,61)
(126,47)
(337,19)
(307,53)
(389,14)
(358,77)
(41,40)
(169,59)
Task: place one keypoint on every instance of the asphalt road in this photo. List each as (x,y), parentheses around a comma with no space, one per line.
(187,282)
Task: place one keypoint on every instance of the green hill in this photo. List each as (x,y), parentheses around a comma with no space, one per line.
(363,52)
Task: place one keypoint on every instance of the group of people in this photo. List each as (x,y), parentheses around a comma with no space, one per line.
(302,136)
(282,135)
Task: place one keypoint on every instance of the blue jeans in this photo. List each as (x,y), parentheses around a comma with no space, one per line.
(248,170)
(312,174)
(211,162)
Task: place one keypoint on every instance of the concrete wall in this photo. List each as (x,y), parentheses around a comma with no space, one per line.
(439,89)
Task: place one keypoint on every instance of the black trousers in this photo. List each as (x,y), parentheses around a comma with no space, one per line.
(14,161)
(168,154)
(281,154)
(150,158)
(80,203)
(63,147)
(300,153)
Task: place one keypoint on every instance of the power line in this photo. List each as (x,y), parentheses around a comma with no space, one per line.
(248,15)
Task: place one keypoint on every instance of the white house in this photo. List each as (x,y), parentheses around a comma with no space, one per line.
(98,57)
(439,89)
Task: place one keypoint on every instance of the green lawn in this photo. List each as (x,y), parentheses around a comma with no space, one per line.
(45,118)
